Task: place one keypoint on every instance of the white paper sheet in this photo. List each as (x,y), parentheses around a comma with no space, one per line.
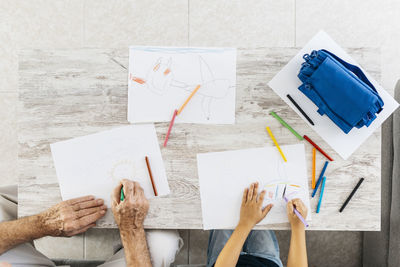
(160,80)
(287,82)
(94,164)
(224,175)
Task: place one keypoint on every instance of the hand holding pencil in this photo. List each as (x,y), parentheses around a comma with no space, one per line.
(294,220)
(129,213)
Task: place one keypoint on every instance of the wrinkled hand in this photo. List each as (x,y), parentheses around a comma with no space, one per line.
(251,211)
(130,213)
(72,217)
(299,205)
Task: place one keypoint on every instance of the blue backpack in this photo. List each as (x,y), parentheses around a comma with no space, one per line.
(340,90)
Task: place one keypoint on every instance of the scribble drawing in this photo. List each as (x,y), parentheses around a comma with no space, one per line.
(126,169)
(160,77)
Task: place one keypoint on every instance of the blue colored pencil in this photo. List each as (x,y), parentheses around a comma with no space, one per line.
(321,194)
(320,178)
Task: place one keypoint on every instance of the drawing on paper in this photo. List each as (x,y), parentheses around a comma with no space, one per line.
(126,169)
(281,187)
(275,191)
(160,77)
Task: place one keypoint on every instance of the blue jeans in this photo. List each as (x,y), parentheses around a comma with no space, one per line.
(259,243)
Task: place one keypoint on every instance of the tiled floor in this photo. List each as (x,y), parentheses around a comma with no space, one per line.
(119,23)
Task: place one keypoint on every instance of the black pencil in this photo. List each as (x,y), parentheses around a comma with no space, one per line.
(300,109)
(351,194)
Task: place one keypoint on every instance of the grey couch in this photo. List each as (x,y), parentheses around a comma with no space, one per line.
(383,248)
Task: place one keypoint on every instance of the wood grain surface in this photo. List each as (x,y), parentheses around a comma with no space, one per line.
(70,93)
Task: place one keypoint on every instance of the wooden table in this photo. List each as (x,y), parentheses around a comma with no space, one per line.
(70,93)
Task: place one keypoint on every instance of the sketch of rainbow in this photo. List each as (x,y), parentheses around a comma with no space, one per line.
(273,189)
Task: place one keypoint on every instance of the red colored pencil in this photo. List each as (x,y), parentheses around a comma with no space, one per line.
(317,147)
(151,176)
(170,127)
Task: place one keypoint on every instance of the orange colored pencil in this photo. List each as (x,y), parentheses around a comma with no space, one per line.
(187,100)
(313,169)
(151,176)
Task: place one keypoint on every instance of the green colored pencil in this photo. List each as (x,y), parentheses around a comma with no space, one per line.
(286,125)
(122,194)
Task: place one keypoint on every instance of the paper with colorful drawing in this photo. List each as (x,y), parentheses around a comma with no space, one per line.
(224,175)
(94,164)
(161,79)
(286,82)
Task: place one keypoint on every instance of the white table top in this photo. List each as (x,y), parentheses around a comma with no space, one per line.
(70,93)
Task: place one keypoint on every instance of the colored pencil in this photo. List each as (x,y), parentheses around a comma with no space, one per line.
(300,109)
(151,176)
(297,213)
(187,100)
(317,147)
(316,187)
(351,195)
(321,194)
(122,194)
(276,143)
(286,125)
(169,128)
(313,169)
(320,178)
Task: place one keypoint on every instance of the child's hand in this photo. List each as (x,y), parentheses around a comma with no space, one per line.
(251,211)
(295,222)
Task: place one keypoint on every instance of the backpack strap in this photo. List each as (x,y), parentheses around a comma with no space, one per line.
(356,70)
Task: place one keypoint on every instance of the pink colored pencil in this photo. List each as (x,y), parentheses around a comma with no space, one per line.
(170,127)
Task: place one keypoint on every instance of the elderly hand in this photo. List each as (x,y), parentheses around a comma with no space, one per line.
(72,217)
(130,213)
(251,211)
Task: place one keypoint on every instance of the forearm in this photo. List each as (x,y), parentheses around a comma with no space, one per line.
(135,245)
(13,233)
(297,251)
(231,251)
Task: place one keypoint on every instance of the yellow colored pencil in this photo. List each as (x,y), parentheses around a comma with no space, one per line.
(276,143)
(187,100)
(313,169)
